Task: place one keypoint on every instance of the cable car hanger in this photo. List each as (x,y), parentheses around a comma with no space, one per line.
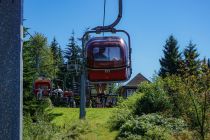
(107,29)
(84,69)
(111,26)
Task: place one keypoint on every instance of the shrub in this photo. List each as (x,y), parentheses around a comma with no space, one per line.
(37,125)
(123,111)
(176,90)
(76,130)
(152,126)
(41,130)
(155,98)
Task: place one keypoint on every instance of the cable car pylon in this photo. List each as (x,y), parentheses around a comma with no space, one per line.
(104,59)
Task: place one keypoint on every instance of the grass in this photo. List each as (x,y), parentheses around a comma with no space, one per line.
(96,117)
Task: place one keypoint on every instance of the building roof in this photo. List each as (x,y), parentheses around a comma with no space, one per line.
(136,80)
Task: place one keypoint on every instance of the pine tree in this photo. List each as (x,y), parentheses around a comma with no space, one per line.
(191,61)
(170,63)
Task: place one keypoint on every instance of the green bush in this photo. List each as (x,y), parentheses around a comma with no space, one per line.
(155,98)
(176,90)
(76,130)
(37,124)
(152,126)
(124,111)
(41,130)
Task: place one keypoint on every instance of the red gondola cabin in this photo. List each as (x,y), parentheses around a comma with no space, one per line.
(107,59)
(43,84)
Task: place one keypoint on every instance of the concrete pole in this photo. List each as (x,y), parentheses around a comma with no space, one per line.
(11,31)
(83,81)
(82,96)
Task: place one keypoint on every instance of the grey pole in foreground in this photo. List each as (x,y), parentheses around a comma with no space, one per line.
(11,15)
(83,80)
(82,96)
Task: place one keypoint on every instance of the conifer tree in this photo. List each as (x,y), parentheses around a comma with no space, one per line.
(73,51)
(191,61)
(57,58)
(29,72)
(209,63)
(54,49)
(170,63)
(43,56)
(72,56)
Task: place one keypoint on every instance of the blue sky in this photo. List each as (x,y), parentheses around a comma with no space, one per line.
(149,23)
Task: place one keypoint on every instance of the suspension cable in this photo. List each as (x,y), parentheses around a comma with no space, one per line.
(104,16)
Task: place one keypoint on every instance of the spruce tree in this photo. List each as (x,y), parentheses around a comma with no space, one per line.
(72,56)
(209,63)
(191,61)
(73,51)
(30,104)
(61,66)
(57,58)
(170,63)
(54,50)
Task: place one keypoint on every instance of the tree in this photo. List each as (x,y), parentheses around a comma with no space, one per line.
(42,55)
(72,52)
(37,60)
(191,61)
(72,56)
(61,66)
(170,63)
(29,72)
(199,95)
(208,63)
(54,49)
(57,58)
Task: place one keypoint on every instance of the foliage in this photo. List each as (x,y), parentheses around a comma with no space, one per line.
(114,88)
(72,51)
(189,97)
(124,111)
(152,126)
(36,55)
(40,130)
(175,89)
(58,60)
(197,88)
(155,98)
(191,61)
(41,54)
(72,56)
(77,129)
(170,63)
(186,97)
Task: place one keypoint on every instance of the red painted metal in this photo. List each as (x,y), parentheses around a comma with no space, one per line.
(45,84)
(68,94)
(112,66)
